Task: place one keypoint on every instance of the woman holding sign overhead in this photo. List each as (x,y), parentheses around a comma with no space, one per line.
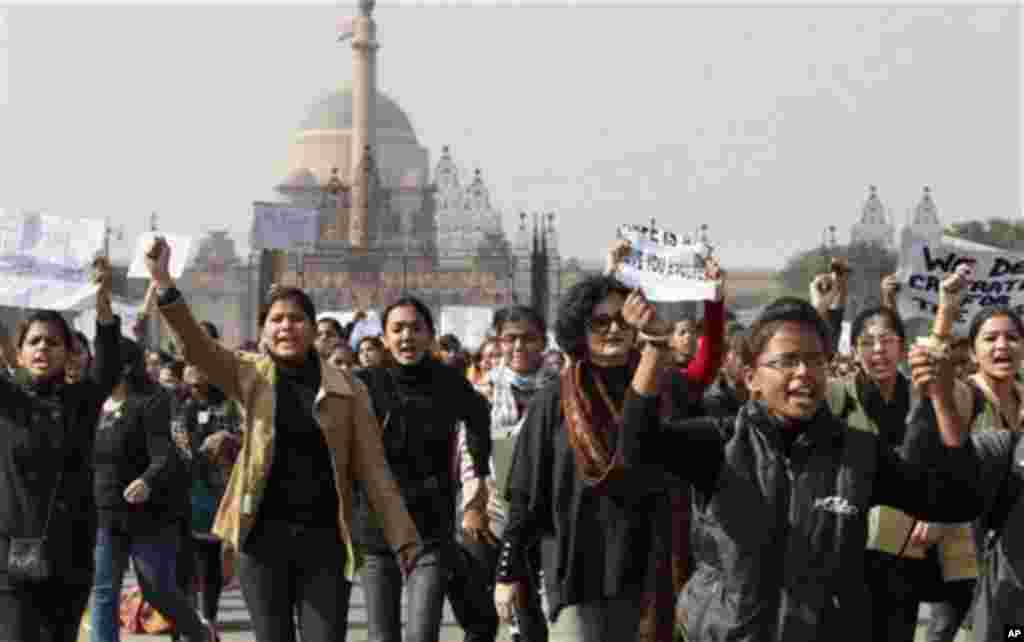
(567,478)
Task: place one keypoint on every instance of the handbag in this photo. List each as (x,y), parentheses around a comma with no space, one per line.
(925,574)
(27,559)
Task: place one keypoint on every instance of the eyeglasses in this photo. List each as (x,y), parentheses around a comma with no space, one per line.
(602,323)
(510,340)
(790,361)
(868,342)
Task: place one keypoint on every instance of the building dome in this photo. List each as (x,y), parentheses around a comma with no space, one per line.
(334,111)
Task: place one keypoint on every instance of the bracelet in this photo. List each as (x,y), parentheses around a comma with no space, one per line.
(655,339)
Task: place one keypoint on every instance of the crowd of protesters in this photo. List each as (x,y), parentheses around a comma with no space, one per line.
(644,479)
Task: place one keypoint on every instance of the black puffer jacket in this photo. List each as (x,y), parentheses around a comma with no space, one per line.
(780,518)
(37,424)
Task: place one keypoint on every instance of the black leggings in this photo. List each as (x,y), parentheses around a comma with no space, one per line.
(200,557)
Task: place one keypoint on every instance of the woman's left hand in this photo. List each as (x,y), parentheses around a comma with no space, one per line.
(642,314)
(137,492)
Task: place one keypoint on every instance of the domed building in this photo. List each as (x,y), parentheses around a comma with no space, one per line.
(434,234)
(323,141)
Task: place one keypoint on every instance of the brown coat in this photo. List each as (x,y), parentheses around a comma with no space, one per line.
(342,408)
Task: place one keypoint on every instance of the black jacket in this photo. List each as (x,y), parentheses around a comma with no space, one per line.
(779,538)
(999,529)
(136,443)
(29,459)
(720,400)
(601,539)
(419,409)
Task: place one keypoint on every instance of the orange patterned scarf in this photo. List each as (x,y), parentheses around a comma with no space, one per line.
(589,422)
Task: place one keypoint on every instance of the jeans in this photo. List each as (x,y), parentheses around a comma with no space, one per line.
(947,616)
(49,612)
(286,568)
(427,583)
(154,558)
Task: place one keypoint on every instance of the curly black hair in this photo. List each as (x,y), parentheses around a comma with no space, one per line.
(576,308)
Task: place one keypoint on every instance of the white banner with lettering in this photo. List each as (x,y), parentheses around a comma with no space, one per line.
(667,268)
(470,323)
(283,227)
(46,261)
(998,278)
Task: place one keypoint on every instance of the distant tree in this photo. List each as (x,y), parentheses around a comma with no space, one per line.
(998,232)
(868,264)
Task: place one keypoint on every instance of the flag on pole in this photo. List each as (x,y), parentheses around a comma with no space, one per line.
(346,28)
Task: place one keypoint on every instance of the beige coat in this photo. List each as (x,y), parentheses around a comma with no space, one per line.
(342,408)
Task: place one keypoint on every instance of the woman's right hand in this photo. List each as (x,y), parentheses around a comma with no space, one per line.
(158,260)
(508,597)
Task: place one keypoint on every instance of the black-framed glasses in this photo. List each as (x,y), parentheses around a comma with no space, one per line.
(603,322)
(790,361)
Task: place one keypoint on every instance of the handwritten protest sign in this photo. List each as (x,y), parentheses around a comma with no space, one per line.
(998,279)
(46,261)
(283,227)
(667,268)
(182,253)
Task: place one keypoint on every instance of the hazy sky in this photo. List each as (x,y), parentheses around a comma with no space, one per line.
(768,124)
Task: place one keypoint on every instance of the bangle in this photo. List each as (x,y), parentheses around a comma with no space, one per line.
(655,339)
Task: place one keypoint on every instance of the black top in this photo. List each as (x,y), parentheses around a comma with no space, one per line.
(889,416)
(301,486)
(419,407)
(132,442)
(29,461)
(602,539)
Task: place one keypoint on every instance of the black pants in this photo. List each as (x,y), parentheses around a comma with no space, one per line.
(200,557)
(286,568)
(894,600)
(471,589)
(948,615)
(49,612)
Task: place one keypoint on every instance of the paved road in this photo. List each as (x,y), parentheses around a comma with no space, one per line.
(235,626)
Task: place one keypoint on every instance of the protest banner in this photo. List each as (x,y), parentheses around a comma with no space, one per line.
(998,278)
(182,253)
(664,265)
(283,227)
(46,261)
(470,323)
